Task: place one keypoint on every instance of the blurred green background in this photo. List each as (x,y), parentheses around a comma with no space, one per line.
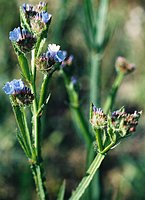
(123,171)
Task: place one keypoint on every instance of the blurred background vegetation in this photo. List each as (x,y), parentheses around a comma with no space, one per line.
(123,171)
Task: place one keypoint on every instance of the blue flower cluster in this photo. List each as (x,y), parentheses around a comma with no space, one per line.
(37,16)
(21,94)
(24,39)
(17,34)
(13,87)
(52,56)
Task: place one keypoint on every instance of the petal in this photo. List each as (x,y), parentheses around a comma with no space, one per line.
(8,88)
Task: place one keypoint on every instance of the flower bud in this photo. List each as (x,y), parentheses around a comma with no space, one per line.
(123,66)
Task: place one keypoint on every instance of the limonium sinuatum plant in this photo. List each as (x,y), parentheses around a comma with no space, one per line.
(30,96)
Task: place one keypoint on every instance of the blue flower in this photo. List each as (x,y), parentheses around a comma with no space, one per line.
(18,84)
(15,35)
(13,86)
(8,88)
(23,38)
(43,17)
(55,53)
(60,56)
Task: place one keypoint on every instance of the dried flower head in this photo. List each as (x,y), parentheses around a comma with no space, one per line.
(122,65)
(115,125)
(23,38)
(98,118)
(124,122)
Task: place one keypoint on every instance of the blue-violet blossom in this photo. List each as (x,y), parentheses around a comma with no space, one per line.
(52,56)
(23,38)
(13,86)
(21,94)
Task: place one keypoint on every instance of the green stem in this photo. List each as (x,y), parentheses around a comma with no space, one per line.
(111,97)
(101,24)
(77,194)
(43,91)
(77,116)
(99,140)
(81,124)
(39,181)
(33,65)
(95,79)
(37,168)
(108,147)
(36,120)
(27,132)
(20,122)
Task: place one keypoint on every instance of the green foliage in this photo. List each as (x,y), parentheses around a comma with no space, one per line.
(125,182)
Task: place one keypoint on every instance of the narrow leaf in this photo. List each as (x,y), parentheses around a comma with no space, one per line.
(24,66)
(24,21)
(61,191)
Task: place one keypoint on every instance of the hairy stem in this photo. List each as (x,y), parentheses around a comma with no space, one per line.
(39,179)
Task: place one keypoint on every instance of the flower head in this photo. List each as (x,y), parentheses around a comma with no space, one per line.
(110,128)
(54,53)
(40,21)
(124,122)
(98,118)
(13,86)
(52,56)
(37,16)
(21,94)
(23,38)
(31,10)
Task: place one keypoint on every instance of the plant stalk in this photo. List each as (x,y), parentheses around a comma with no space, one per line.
(37,166)
(95,79)
(39,179)
(112,96)
(77,194)
(77,116)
